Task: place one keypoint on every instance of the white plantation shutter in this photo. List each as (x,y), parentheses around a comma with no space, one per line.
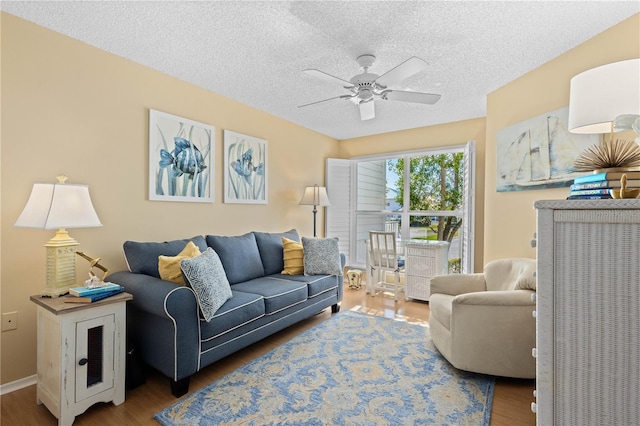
(468,207)
(338,216)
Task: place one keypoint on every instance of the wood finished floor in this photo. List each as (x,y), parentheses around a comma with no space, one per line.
(511,402)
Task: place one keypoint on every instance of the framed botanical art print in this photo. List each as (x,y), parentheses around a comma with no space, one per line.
(245,169)
(180,159)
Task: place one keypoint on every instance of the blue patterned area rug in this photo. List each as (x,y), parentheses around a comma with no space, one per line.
(353,369)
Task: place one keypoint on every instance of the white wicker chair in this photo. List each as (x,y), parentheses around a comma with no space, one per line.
(383,256)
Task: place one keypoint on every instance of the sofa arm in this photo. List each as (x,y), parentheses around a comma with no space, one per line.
(164,323)
(456,284)
(343,262)
(158,297)
(496,298)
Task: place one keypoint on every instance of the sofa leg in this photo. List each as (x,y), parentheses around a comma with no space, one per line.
(335,308)
(180,387)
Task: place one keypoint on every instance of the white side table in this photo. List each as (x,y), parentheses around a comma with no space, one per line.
(81,354)
(423,261)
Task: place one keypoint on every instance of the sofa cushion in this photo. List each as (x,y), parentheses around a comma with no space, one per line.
(169,266)
(241,309)
(207,278)
(270,248)
(278,294)
(142,257)
(321,256)
(293,257)
(316,284)
(239,256)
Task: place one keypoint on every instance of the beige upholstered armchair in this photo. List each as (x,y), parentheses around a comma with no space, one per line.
(483,322)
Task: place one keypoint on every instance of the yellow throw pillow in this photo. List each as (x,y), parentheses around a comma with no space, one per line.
(293,257)
(169,266)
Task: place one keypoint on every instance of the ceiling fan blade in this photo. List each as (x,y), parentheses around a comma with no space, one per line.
(328,78)
(367,110)
(326,100)
(406,69)
(404,96)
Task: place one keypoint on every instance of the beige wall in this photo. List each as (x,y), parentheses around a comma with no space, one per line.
(70,108)
(74,109)
(444,135)
(509,216)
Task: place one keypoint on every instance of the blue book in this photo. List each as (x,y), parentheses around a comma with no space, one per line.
(592,185)
(604,191)
(597,177)
(93,297)
(631,183)
(589,197)
(84,291)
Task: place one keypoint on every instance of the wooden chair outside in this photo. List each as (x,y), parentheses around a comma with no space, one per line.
(383,255)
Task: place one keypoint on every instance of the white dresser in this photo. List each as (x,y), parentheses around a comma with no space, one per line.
(423,261)
(588,313)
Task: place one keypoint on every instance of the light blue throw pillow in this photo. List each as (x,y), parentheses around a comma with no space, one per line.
(208,280)
(321,256)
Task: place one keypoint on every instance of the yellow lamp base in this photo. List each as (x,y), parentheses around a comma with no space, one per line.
(61,264)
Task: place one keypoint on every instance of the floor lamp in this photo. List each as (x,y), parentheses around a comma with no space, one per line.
(315,196)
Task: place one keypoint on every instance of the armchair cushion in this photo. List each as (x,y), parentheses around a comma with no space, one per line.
(510,274)
(441,309)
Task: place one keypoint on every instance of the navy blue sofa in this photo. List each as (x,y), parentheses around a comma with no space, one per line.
(164,324)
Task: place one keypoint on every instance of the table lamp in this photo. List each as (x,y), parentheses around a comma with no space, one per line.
(315,196)
(59,206)
(603,94)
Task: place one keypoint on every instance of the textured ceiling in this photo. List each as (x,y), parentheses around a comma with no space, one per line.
(254,52)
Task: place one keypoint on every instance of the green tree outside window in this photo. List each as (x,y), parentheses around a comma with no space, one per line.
(436,184)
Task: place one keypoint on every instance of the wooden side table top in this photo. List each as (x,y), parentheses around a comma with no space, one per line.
(58,305)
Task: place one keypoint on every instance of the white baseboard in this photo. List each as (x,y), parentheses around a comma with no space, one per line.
(18,384)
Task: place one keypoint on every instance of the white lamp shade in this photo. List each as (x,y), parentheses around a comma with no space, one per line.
(60,205)
(315,196)
(601,94)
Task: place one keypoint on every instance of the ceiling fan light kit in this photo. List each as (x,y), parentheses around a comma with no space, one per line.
(366,87)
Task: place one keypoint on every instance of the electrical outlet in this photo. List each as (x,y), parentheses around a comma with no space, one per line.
(10,321)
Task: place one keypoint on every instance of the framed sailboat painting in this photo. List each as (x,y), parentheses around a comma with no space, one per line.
(539,153)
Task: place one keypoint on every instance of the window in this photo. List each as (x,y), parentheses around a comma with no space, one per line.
(419,195)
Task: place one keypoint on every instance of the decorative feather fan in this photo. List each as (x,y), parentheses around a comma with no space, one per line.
(618,153)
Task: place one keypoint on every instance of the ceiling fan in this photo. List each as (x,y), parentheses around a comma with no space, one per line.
(366,87)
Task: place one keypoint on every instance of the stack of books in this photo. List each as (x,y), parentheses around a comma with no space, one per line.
(93,294)
(598,186)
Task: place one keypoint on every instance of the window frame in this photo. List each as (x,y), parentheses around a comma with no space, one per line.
(468,203)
